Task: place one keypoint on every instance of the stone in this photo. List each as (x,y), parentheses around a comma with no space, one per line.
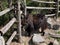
(55,27)
(55,42)
(37,38)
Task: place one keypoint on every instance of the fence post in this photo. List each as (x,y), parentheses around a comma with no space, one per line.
(25,8)
(19,19)
(2,41)
(57,8)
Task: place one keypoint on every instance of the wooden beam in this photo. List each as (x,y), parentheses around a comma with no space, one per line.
(11,38)
(58,0)
(57,8)
(54,35)
(49,15)
(40,7)
(59,5)
(44,1)
(2,41)
(19,19)
(7,26)
(25,8)
(6,10)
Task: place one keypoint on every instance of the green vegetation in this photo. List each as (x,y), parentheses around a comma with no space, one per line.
(58,32)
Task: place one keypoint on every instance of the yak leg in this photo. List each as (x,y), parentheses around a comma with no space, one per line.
(42,31)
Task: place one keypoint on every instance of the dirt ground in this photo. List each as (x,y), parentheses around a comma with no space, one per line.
(25,40)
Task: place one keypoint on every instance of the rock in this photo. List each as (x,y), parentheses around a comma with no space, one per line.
(37,38)
(55,42)
(56,27)
(51,22)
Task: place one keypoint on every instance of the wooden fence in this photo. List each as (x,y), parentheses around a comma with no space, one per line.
(10,23)
(13,20)
(45,8)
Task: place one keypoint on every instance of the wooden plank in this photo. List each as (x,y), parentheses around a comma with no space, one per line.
(25,8)
(58,0)
(11,38)
(50,15)
(7,26)
(6,10)
(40,7)
(57,9)
(2,41)
(54,35)
(44,1)
(19,19)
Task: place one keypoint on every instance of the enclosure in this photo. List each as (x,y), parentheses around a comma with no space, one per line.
(13,12)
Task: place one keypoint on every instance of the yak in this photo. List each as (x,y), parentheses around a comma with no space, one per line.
(34,22)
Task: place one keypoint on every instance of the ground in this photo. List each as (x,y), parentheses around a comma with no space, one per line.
(47,38)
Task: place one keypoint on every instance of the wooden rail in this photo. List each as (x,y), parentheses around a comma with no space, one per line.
(58,0)
(2,41)
(54,35)
(49,15)
(40,7)
(7,26)
(44,1)
(59,5)
(6,10)
(10,39)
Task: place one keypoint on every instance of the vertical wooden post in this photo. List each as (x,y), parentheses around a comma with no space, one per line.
(19,19)
(57,8)
(25,8)
(2,41)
